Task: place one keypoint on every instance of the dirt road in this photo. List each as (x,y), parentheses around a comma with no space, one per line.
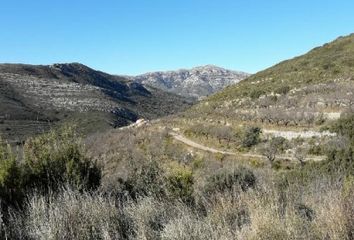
(193,144)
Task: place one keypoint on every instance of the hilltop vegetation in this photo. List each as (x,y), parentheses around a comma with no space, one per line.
(307,90)
(332,61)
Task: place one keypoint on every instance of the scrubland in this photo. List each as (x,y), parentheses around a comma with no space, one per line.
(142,184)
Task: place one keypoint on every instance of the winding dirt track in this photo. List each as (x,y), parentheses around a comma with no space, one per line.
(193,144)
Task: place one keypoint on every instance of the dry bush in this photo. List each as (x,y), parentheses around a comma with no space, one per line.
(150,216)
(323,209)
(191,227)
(70,215)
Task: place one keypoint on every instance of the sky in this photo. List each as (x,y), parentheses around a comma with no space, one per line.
(137,36)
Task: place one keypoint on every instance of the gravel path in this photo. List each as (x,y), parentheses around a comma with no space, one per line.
(193,144)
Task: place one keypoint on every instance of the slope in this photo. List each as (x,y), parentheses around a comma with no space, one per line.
(307,90)
(33,98)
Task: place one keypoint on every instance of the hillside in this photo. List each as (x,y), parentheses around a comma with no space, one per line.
(196,82)
(306,90)
(33,98)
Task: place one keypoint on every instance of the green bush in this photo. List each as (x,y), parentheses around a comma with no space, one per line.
(180,184)
(341,158)
(10,176)
(256,93)
(57,158)
(251,137)
(345,127)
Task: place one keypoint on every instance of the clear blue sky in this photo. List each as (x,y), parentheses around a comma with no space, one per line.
(136,36)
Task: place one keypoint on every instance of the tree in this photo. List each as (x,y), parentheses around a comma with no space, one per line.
(269,151)
(271,148)
(300,154)
(223,133)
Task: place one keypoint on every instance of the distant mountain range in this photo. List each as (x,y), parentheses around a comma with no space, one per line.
(195,83)
(33,98)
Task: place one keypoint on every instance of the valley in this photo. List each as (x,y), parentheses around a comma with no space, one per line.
(177,120)
(269,157)
(49,96)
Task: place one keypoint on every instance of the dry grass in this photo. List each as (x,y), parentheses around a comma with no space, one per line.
(321,210)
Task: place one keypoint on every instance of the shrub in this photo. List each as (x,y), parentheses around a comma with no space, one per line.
(282,90)
(150,216)
(228,180)
(189,227)
(70,214)
(341,160)
(57,158)
(180,184)
(251,137)
(143,179)
(10,176)
(316,150)
(256,162)
(256,93)
(340,152)
(345,126)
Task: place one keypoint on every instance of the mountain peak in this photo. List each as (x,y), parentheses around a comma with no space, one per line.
(210,66)
(196,82)
(72,66)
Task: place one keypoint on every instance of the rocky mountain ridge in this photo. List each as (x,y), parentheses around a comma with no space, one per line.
(197,82)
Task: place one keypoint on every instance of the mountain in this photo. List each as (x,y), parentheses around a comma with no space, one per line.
(33,98)
(306,90)
(196,82)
